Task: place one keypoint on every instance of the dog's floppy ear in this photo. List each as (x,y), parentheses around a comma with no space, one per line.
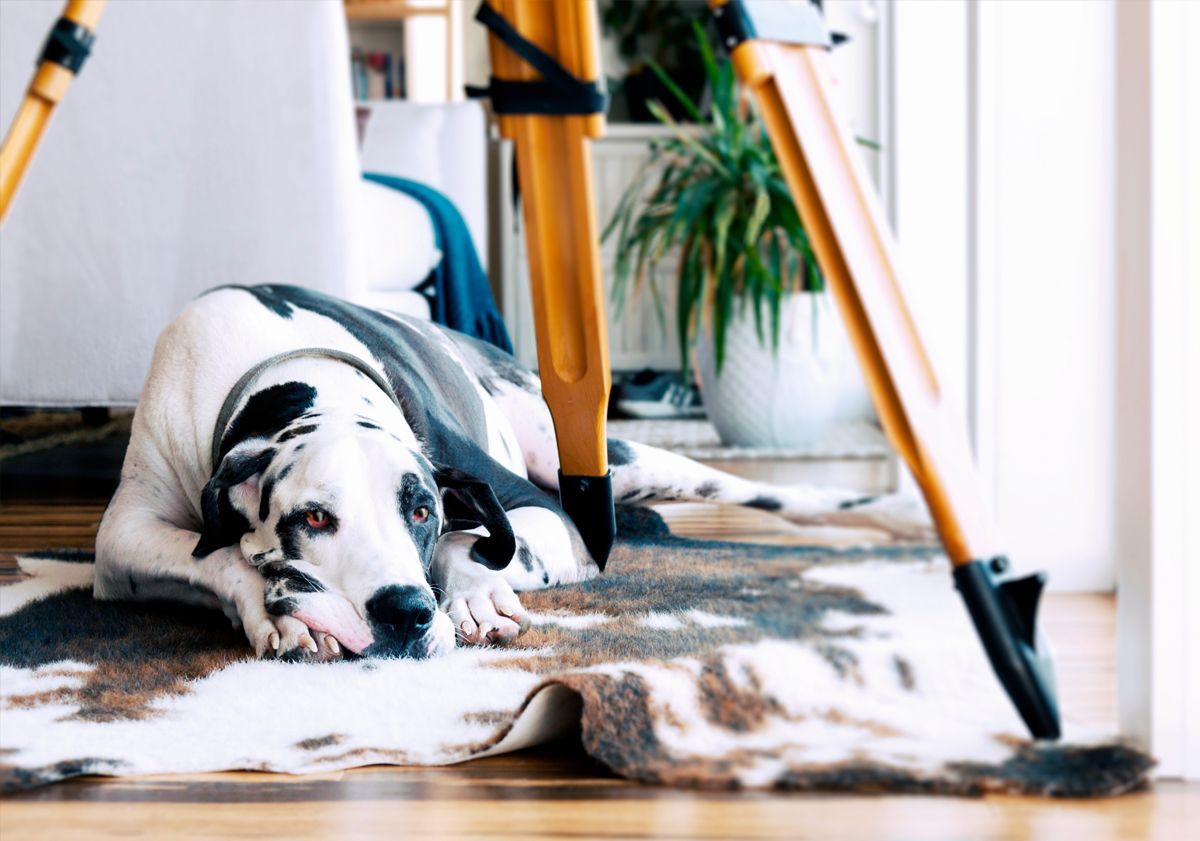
(234,481)
(469,498)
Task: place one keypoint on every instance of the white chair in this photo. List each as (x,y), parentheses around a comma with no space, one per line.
(204,143)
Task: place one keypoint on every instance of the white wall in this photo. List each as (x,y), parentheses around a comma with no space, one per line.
(1055,276)
(1004,175)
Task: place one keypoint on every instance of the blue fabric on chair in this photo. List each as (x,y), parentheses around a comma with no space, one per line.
(462,298)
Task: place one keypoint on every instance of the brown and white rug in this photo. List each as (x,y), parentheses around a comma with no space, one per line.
(687,663)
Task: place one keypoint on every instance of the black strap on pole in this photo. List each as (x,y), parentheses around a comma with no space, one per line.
(68,45)
(557,92)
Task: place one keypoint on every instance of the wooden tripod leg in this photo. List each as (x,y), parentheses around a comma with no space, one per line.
(854,248)
(554,169)
(46,89)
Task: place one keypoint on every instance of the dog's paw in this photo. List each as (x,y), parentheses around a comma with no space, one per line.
(486,611)
(903,517)
(262,635)
(294,641)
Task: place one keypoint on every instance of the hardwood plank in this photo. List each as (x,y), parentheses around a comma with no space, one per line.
(1164,814)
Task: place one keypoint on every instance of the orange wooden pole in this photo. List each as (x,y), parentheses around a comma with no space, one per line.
(791,83)
(554,169)
(46,89)
(854,247)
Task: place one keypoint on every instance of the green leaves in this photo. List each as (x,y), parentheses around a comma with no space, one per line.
(721,203)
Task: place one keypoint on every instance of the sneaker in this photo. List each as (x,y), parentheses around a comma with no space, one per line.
(652,395)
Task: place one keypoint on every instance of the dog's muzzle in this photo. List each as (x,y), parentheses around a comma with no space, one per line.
(401,617)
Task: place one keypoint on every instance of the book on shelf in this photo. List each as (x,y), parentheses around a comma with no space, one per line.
(377,75)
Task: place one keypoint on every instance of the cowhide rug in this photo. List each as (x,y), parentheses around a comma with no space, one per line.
(687,663)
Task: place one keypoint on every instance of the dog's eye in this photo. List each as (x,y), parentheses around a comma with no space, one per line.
(316,518)
(420,515)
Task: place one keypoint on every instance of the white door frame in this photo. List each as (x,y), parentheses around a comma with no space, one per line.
(1158,629)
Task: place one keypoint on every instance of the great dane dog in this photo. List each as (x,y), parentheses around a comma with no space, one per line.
(340,479)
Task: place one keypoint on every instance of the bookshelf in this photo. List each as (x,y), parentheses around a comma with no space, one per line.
(408,49)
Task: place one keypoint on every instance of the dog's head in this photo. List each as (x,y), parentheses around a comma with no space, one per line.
(342,519)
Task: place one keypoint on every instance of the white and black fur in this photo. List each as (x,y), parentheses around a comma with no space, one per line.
(470,447)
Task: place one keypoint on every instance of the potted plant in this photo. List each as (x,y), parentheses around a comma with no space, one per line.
(774,362)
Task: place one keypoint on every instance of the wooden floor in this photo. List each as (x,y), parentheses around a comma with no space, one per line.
(556,791)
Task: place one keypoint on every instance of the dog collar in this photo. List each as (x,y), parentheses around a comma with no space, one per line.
(243,384)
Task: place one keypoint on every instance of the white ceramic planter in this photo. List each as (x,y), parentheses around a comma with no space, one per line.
(789,399)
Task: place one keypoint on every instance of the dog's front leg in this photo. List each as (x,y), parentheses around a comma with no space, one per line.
(482,603)
(139,556)
(479,601)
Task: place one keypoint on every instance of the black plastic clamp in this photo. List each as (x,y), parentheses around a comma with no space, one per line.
(68,44)
(786,23)
(1005,617)
(588,501)
(557,92)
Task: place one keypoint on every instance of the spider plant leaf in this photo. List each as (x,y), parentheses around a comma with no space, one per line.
(722,221)
(686,101)
(685,306)
(776,306)
(758,215)
(692,143)
(722,313)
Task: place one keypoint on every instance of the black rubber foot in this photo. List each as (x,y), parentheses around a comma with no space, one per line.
(588,501)
(1005,615)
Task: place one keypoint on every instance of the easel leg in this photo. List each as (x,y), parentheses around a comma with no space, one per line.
(854,248)
(554,169)
(60,61)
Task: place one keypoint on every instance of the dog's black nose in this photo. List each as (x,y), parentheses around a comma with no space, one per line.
(404,612)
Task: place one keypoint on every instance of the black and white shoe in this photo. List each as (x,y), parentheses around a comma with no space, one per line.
(652,395)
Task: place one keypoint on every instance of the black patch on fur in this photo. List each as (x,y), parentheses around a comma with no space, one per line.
(854,503)
(296,432)
(620,453)
(282,607)
(267,412)
(766,503)
(224,525)
(524,556)
(707,490)
(467,494)
(411,495)
(289,538)
(318,742)
(294,524)
(368,425)
(292,579)
(1063,770)
(264,498)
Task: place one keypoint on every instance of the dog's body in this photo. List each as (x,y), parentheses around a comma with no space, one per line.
(323,525)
